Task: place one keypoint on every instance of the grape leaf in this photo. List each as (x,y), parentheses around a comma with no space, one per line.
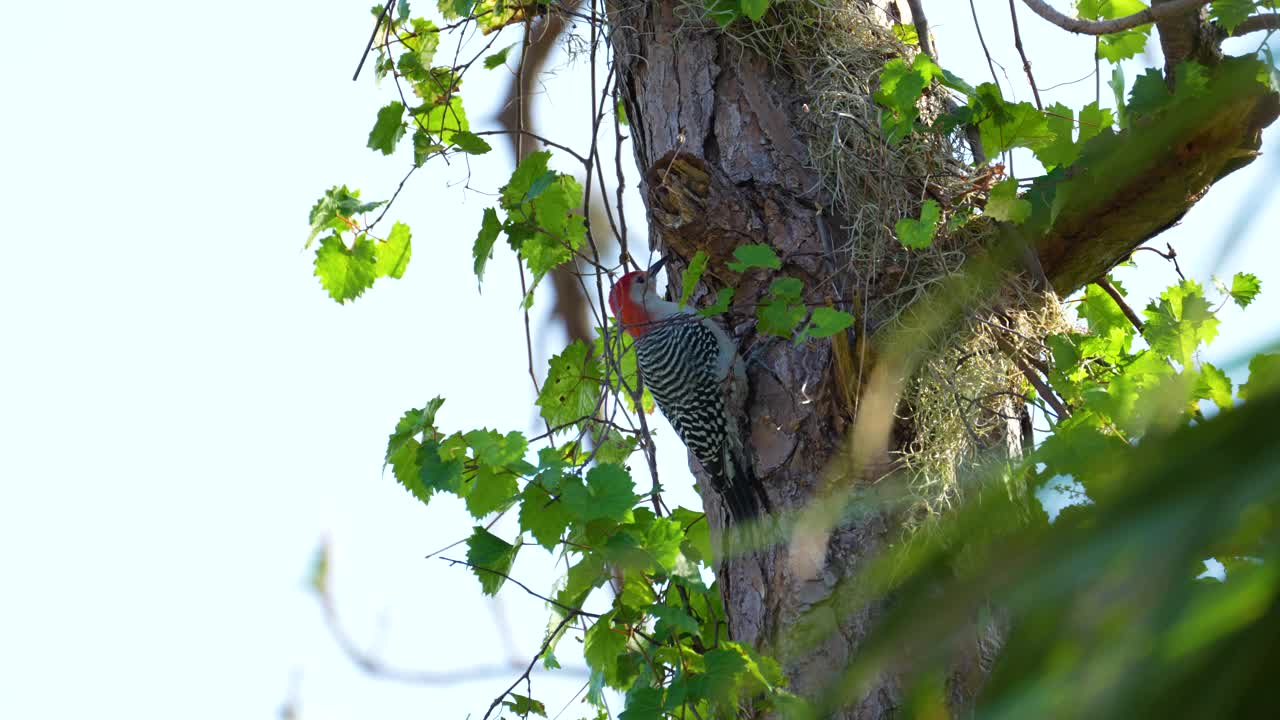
(393,253)
(346,272)
(918,234)
(724,296)
(754,255)
(602,646)
(1264,376)
(1213,384)
(754,9)
(643,703)
(1230,13)
(1180,321)
(470,143)
(524,706)
(498,58)
(482,251)
(826,322)
(542,516)
(1244,288)
(608,493)
(1004,203)
(572,386)
(691,275)
(492,489)
(491,558)
(388,129)
(335,209)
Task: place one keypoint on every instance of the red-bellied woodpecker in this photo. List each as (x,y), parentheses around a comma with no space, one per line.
(693,369)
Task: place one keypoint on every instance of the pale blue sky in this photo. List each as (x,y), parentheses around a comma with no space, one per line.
(184,413)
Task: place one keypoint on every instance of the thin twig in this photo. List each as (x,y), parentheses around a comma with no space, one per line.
(546,644)
(569,609)
(1111,290)
(1266,21)
(1026,64)
(372,36)
(922,27)
(1171,256)
(1106,27)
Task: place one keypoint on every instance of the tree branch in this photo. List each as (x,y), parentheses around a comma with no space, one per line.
(1106,27)
(1111,290)
(1269,21)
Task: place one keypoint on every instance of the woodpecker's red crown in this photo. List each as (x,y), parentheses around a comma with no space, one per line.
(626,300)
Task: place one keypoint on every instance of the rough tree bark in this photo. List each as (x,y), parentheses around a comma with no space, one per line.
(717,132)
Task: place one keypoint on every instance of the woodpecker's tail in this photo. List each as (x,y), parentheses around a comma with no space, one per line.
(742,495)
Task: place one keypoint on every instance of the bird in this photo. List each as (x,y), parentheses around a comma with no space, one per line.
(698,379)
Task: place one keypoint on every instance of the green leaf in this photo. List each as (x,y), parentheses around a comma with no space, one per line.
(826,322)
(482,251)
(393,253)
(424,146)
(498,58)
(1149,93)
(335,209)
(672,622)
(440,466)
(516,191)
(1180,321)
(443,120)
(492,489)
(494,448)
(608,493)
(346,272)
(901,86)
(724,675)
(545,518)
(724,297)
(1230,13)
(662,542)
(1264,376)
(918,234)
(1093,120)
(906,34)
(389,128)
(1122,45)
(1117,89)
(724,12)
(470,143)
(754,9)
(583,577)
(1214,385)
(691,275)
(524,706)
(572,386)
(1004,125)
(1244,288)
(1111,332)
(784,310)
(754,255)
(620,110)
(602,646)
(491,558)
(1062,149)
(1004,203)
(643,703)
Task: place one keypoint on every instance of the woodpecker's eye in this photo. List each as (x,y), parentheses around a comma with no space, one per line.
(640,280)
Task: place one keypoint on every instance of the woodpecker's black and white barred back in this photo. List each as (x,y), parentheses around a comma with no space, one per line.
(693,369)
(677,358)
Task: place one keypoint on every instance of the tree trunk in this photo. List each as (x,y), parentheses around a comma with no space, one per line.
(719,133)
(739,141)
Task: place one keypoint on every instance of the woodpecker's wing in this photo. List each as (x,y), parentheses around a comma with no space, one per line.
(680,361)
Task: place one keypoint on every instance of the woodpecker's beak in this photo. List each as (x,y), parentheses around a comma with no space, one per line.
(654,268)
